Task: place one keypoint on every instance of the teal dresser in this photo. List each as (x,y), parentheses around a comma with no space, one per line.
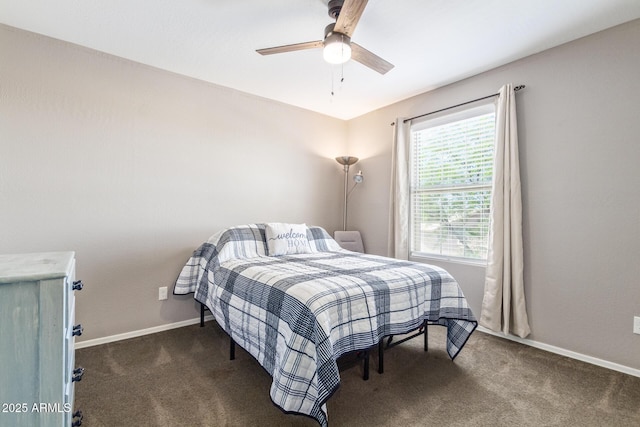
(37,334)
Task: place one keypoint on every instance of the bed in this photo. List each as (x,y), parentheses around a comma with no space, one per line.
(296,301)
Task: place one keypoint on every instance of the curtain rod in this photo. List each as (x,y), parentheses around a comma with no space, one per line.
(515,89)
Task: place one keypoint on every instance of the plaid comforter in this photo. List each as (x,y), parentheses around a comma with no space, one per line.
(297,314)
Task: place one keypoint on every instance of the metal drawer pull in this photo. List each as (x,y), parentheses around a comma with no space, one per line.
(77,285)
(77,330)
(77,374)
(77,422)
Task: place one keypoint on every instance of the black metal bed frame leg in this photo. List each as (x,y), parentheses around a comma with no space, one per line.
(426,337)
(365,376)
(389,345)
(201,315)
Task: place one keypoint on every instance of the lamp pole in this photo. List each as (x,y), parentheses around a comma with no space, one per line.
(345,161)
(346,181)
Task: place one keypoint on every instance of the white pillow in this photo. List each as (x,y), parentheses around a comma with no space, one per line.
(287,239)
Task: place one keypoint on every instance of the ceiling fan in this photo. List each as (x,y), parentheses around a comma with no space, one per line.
(337,45)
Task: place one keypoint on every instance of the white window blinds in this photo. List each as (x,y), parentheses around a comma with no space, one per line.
(451,172)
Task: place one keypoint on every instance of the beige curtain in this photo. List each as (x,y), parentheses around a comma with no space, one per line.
(503,305)
(398,246)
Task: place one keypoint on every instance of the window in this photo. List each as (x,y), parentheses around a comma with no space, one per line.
(451,170)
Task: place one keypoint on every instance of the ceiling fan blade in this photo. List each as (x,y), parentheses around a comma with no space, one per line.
(349,16)
(290,48)
(369,59)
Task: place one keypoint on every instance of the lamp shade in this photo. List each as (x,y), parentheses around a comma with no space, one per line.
(346,160)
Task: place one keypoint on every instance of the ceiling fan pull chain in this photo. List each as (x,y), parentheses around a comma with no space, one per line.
(332,94)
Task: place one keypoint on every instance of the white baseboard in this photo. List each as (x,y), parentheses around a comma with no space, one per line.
(139,333)
(531,343)
(565,352)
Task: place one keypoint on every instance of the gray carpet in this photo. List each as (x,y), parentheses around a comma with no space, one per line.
(184,377)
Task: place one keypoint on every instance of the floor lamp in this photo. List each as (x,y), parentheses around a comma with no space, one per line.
(347,161)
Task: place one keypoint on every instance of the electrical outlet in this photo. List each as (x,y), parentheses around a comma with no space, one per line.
(636,325)
(162,293)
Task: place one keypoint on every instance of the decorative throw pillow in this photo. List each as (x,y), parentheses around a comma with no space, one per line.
(287,239)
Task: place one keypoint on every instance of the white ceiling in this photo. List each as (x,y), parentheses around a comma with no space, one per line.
(430,42)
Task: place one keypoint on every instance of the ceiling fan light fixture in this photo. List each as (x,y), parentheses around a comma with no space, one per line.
(337,48)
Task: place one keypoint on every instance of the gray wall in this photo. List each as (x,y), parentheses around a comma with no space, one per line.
(579,133)
(133,168)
